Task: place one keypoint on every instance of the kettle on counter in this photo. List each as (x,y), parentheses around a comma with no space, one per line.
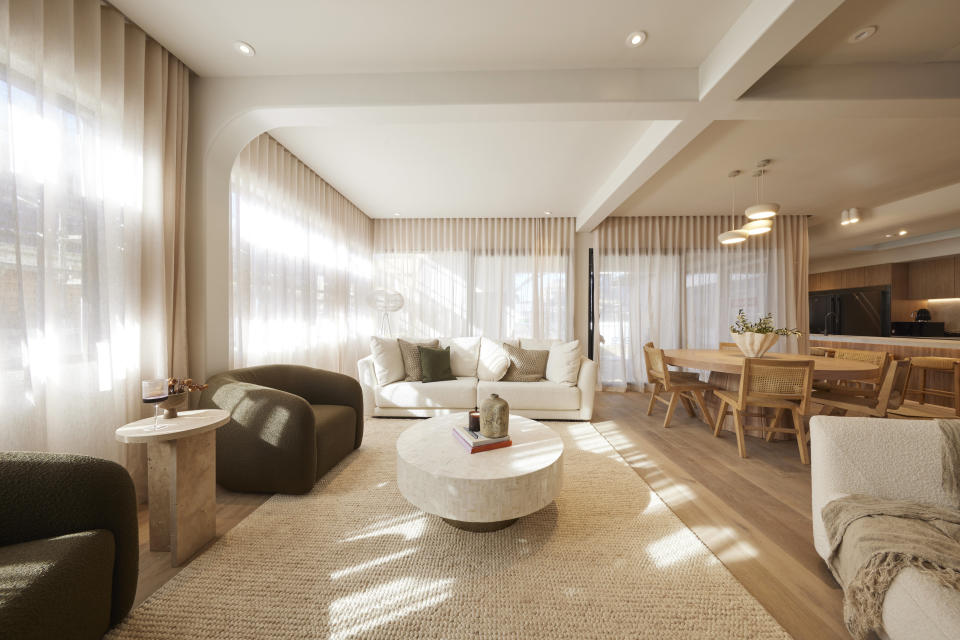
(921,315)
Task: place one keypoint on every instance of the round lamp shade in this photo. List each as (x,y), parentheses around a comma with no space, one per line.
(756,227)
(762,211)
(385,300)
(733,237)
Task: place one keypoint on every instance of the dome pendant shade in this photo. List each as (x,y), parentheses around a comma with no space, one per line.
(762,211)
(757,227)
(733,237)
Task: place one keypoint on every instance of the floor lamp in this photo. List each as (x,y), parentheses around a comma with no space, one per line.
(385,302)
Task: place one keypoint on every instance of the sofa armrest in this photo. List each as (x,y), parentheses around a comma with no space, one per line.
(368,382)
(895,459)
(43,495)
(270,440)
(587,383)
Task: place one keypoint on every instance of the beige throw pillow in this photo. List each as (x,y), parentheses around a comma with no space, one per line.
(563,364)
(387,361)
(526,365)
(494,361)
(411,357)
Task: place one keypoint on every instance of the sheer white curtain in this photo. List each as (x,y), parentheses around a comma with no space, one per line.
(498,277)
(93,124)
(668,281)
(301,265)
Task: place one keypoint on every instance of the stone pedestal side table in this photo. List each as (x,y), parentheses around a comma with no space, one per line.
(181,479)
(479,491)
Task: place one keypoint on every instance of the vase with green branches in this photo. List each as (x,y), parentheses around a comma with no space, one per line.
(756,338)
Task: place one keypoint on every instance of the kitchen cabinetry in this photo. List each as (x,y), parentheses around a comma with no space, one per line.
(934,278)
(895,275)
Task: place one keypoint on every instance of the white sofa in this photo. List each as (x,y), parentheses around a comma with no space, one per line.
(895,459)
(543,400)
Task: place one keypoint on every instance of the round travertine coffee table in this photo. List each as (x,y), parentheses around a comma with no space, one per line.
(479,491)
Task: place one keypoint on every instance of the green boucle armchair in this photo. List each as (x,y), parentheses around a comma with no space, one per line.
(69,545)
(289,425)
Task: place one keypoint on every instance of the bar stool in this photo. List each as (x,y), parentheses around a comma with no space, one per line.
(921,409)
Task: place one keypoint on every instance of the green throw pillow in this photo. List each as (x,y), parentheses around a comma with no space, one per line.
(435,363)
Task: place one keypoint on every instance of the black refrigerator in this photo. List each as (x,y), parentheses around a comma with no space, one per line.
(864,311)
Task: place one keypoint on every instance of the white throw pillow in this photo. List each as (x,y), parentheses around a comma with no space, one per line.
(464,355)
(387,361)
(537,345)
(563,363)
(494,361)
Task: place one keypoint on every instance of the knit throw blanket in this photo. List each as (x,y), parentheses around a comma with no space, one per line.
(873,539)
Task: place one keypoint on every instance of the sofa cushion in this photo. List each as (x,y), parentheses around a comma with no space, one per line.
(526,365)
(449,394)
(436,364)
(563,363)
(411,357)
(494,361)
(387,361)
(57,587)
(543,395)
(464,355)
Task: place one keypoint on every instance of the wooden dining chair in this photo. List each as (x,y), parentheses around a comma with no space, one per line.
(871,385)
(921,409)
(729,346)
(682,386)
(889,397)
(783,385)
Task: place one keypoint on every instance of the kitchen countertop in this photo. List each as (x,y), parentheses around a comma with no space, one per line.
(943,343)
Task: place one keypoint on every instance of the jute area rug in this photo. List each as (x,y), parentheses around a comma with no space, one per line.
(353,559)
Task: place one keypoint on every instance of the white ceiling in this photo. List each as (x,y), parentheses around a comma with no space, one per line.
(480,169)
(909,31)
(360,36)
(819,168)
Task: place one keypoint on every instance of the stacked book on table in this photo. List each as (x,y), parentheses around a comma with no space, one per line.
(474,442)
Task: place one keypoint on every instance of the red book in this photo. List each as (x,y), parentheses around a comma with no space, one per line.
(482,447)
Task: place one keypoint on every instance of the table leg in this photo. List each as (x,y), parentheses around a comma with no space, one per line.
(182,492)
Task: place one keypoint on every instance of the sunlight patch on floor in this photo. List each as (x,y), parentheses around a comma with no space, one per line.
(410,527)
(677,547)
(376,562)
(727,544)
(359,613)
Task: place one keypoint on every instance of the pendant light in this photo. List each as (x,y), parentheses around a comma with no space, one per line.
(756,227)
(761,210)
(735,235)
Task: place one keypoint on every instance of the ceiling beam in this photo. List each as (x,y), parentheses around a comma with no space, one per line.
(765,32)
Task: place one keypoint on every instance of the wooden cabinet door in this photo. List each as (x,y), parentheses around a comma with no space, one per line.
(850,278)
(933,279)
(831,280)
(877,275)
(813,283)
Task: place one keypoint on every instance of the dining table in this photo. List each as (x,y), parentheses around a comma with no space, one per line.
(725,367)
(731,362)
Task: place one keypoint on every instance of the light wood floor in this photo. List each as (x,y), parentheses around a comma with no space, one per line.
(754,514)
(155,567)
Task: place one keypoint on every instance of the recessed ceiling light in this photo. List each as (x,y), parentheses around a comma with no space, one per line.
(396,215)
(862,34)
(636,39)
(244,48)
(902,232)
(889,235)
(548,213)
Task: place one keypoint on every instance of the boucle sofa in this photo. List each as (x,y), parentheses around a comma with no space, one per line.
(476,380)
(894,459)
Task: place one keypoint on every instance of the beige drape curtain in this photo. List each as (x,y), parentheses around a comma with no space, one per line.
(502,278)
(300,256)
(93,129)
(667,280)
